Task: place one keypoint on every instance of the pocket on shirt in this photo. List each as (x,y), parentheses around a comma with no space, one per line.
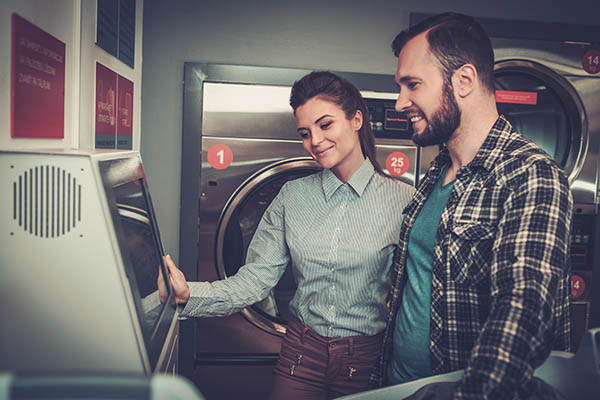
(470,251)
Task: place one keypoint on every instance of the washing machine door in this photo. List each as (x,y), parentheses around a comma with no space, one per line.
(543,106)
(236,226)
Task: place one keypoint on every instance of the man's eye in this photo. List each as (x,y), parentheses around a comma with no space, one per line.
(413,85)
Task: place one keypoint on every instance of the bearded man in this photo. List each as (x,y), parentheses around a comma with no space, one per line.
(481,279)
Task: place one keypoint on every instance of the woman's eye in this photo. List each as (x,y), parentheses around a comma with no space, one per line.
(326,125)
(304,135)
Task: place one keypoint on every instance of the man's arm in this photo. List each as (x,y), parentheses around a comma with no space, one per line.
(530,262)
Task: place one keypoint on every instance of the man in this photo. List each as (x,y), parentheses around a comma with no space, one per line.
(481,278)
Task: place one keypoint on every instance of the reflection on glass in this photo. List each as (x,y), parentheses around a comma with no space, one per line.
(545,122)
(143,252)
(239,232)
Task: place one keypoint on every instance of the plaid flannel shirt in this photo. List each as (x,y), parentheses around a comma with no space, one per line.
(500,291)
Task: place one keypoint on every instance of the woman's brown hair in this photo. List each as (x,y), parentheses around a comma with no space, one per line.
(331,87)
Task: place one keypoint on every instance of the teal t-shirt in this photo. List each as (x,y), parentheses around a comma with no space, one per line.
(411,358)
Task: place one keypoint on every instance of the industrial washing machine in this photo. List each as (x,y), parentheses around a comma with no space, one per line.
(544,90)
(241,120)
(549,90)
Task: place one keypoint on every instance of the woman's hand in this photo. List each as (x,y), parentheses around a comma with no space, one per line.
(177,280)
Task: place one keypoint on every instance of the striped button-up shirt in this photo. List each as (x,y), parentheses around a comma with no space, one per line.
(500,280)
(338,238)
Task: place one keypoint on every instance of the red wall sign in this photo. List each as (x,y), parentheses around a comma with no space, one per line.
(106,99)
(397,163)
(220,156)
(37,82)
(114,109)
(124,113)
(510,96)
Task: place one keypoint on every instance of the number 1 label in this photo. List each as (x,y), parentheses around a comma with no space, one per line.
(220,156)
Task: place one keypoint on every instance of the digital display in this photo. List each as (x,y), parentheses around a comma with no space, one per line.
(385,121)
(395,121)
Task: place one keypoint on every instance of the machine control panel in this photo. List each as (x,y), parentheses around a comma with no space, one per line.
(386,122)
(582,232)
(584,281)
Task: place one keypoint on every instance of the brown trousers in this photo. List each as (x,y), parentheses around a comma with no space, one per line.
(311,366)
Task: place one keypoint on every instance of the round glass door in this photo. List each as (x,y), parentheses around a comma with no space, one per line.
(237,225)
(543,106)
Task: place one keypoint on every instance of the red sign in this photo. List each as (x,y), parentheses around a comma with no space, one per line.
(106,90)
(37,82)
(397,163)
(591,61)
(577,286)
(220,156)
(124,113)
(509,96)
(125,106)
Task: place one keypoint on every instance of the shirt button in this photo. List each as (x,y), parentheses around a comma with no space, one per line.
(332,345)
(333,288)
(332,308)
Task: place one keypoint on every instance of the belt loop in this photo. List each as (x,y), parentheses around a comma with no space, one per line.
(304,330)
(350,346)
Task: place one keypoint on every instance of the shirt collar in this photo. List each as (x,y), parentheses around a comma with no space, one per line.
(494,145)
(359,180)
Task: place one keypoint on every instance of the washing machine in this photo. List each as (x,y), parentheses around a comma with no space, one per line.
(241,120)
(546,91)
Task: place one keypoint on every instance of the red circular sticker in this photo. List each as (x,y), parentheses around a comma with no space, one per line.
(220,156)
(577,286)
(591,61)
(397,163)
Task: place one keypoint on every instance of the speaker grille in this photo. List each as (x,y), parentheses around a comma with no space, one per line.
(47,201)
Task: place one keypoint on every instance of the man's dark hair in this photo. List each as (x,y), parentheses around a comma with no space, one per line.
(455,40)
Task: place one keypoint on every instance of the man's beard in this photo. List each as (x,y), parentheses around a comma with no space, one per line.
(443,122)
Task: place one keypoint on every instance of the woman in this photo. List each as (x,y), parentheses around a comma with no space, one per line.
(338,228)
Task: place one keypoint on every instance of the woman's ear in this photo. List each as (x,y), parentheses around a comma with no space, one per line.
(357,120)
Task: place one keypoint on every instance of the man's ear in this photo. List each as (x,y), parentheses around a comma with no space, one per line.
(464,80)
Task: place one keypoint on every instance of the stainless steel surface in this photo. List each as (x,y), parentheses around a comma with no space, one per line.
(579,140)
(561,65)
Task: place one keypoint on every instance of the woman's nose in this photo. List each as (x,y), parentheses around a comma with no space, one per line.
(316,137)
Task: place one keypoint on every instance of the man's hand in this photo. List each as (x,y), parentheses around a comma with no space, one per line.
(177,280)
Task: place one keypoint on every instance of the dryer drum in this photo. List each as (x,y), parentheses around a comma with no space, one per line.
(236,226)
(554,115)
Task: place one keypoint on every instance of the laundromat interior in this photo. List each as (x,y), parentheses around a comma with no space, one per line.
(135,129)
